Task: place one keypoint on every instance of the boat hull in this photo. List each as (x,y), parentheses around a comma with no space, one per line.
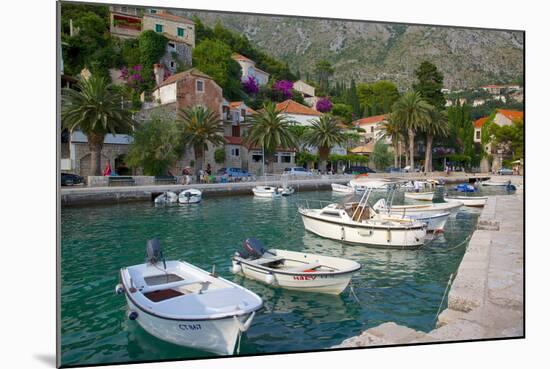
(402,238)
(426,210)
(469,201)
(422,196)
(434,223)
(218,336)
(338,188)
(190,200)
(306,282)
(268,194)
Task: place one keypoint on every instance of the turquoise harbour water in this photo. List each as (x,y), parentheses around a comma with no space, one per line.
(403,286)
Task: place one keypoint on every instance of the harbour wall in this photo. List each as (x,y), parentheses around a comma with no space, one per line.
(486,298)
(94,195)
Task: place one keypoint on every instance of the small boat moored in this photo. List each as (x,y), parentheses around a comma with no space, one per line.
(465,187)
(420,210)
(266,191)
(190,196)
(359,223)
(342,188)
(167,197)
(293,270)
(434,220)
(185,305)
(286,191)
(468,200)
(423,196)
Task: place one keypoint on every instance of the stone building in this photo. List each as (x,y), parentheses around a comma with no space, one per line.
(184,90)
(76,157)
(129,22)
(249,69)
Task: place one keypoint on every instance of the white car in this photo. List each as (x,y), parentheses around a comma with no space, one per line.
(296,171)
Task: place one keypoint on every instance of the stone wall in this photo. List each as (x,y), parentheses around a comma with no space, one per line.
(109,153)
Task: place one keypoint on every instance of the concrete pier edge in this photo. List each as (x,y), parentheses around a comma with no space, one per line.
(83,195)
(486,298)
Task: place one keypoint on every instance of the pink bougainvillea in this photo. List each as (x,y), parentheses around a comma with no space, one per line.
(132,76)
(284,87)
(323,105)
(250,86)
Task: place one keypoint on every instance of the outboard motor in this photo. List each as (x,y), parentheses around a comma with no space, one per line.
(154,252)
(254,248)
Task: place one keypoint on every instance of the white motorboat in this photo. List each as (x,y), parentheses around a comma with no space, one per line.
(286,191)
(185,305)
(190,196)
(422,196)
(435,222)
(421,210)
(358,223)
(338,188)
(362,183)
(167,197)
(266,191)
(495,183)
(293,270)
(468,200)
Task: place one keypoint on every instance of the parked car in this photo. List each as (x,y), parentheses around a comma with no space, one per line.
(68,179)
(296,171)
(358,170)
(234,172)
(505,171)
(394,170)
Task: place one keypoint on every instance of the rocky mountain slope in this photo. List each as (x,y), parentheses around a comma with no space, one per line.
(369,51)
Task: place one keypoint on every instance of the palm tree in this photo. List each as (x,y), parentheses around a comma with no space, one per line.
(200,126)
(94,107)
(324,133)
(269,129)
(393,130)
(412,111)
(437,125)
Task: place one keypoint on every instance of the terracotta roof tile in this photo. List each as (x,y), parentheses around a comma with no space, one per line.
(233,140)
(480,122)
(513,115)
(364,149)
(292,107)
(236,56)
(371,120)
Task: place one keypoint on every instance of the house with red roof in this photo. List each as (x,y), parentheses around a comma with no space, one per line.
(478,124)
(298,113)
(503,117)
(249,69)
(373,126)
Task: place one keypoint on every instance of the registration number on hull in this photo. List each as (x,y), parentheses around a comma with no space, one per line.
(190,327)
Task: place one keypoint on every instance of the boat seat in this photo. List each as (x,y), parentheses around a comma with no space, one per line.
(303,268)
(167,286)
(262,261)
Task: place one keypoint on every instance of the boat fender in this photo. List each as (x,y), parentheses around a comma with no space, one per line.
(269,278)
(236,268)
(119,289)
(132,315)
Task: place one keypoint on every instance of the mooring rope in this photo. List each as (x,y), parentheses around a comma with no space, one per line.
(352,293)
(443,297)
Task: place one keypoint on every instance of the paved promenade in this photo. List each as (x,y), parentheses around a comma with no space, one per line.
(486,297)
